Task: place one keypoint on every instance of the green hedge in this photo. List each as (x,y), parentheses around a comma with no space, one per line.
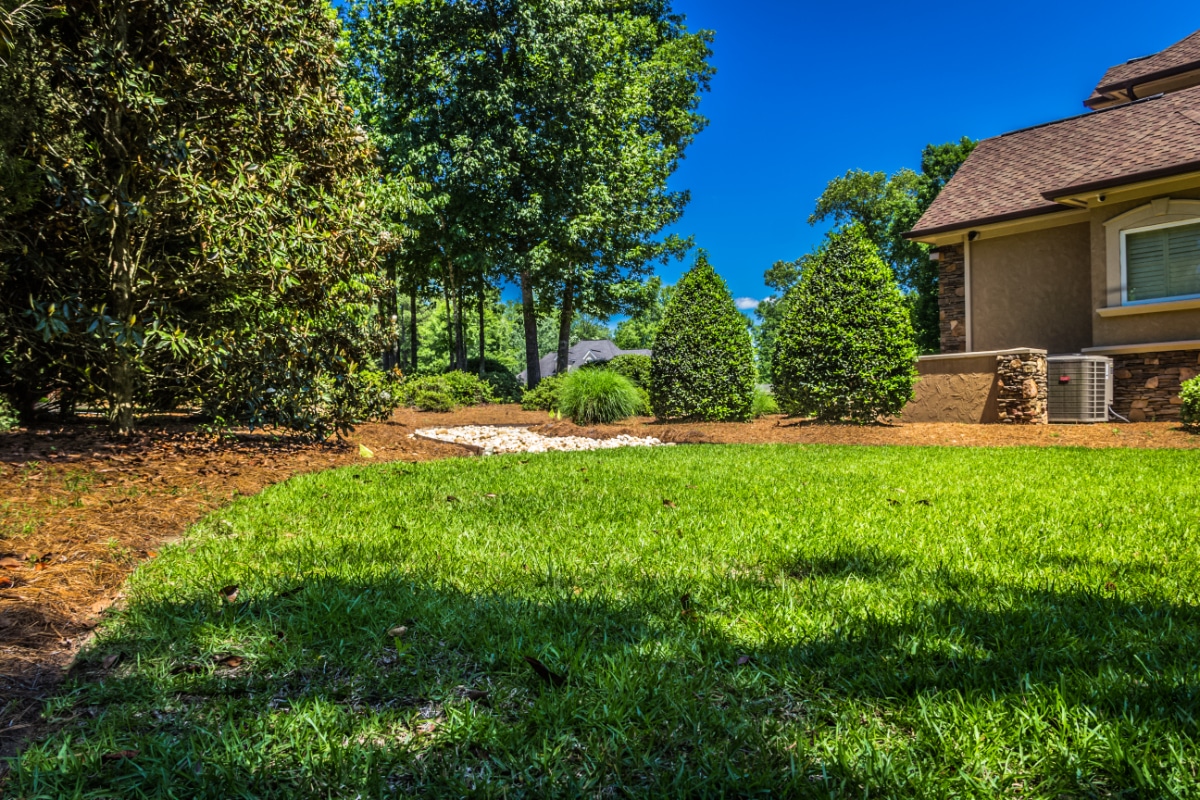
(703,362)
(445,392)
(544,396)
(846,347)
(1190,395)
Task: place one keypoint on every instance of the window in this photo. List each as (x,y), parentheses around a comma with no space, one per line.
(1162,262)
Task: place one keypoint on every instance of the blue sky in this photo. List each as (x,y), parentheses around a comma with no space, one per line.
(806,91)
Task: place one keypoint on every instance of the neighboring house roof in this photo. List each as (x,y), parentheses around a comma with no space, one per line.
(1181,57)
(584,353)
(1018,174)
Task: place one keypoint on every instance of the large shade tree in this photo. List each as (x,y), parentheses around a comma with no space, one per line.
(205,225)
(544,131)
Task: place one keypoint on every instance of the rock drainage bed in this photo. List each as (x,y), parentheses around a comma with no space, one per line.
(489,439)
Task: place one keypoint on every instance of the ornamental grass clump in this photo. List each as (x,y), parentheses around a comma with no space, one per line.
(598,396)
(1190,410)
(703,362)
(846,348)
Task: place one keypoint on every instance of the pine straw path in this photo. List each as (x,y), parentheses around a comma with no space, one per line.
(79,510)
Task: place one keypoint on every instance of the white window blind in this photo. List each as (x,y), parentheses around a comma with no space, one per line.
(1163,263)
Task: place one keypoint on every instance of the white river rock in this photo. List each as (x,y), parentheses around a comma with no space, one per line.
(506,439)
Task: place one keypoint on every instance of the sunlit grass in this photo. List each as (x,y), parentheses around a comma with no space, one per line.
(804,621)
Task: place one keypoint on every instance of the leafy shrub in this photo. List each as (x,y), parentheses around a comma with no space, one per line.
(432,400)
(458,388)
(544,396)
(633,366)
(763,404)
(8,416)
(597,396)
(846,346)
(505,386)
(703,362)
(1190,395)
(644,407)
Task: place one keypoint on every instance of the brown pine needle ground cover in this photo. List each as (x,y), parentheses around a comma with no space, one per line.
(79,510)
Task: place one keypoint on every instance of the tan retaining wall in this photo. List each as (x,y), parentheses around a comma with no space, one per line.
(969,387)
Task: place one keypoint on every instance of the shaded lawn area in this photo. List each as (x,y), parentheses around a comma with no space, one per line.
(805,620)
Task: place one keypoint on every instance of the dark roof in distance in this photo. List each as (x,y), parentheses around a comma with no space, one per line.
(584,353)
(1015,175)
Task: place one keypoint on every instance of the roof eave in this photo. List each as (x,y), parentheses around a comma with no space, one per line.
(1149,77)
(1060,194)
(919,233)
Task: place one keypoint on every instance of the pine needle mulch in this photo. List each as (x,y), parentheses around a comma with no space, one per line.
(79,510)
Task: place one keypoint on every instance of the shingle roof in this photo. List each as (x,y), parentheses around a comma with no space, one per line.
(1015,175)
(583,353)
(1181,56)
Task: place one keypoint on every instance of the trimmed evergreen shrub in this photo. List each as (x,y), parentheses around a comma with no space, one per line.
(432,400)
(764,404)
(1190,395)
(703,362)
(459,388)
(846,347)
(544,396)
(634,367)
(598,396)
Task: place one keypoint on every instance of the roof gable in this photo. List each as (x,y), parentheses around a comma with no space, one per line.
(1182,56)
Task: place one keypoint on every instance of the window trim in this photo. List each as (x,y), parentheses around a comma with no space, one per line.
(1124,232)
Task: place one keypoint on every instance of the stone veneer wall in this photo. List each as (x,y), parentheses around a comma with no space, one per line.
(952,299)
(1023,388)
(1146,385)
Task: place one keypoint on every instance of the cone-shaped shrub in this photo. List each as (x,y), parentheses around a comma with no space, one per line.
(703,362)
(846,347)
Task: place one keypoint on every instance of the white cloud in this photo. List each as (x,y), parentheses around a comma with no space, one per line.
(746,303)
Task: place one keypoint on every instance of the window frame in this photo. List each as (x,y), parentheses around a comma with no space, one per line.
(1125,301)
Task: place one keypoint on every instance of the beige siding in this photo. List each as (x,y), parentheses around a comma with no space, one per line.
(1033,290)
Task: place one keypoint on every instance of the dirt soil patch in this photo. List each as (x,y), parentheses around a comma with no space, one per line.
(79,510)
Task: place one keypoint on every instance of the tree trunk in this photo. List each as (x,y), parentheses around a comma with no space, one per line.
(482,326)
(567,315)
(123,371)
(533,371)
(449,324)
(460,343)
(412,328)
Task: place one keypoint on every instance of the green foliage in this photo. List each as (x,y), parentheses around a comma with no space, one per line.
(458,389)
(544,396)
(8,416)
(703,362)
(637,332)
(505,386)
(209,216)
(781,277)
(432,400)
(764,404)
(597,397)
(846,346)
(635,367)
(877,607)
(1190,395)
(888,207)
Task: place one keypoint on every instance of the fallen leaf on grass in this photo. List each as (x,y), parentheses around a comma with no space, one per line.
(9,562)
(398,631)
(544,672)
(6,582)
(686,602)
(365,451)
(924,502)
(490,496)
(743,661)
(670,504)
(229,661)
(230,593)
(427,728)
(120,755)
(1110,586)
(187,669)
(451,498)
(893,502)
(475,694)
(110,660)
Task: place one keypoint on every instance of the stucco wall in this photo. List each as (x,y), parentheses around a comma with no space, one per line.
(1033,290)
(959,389)
(1164,326)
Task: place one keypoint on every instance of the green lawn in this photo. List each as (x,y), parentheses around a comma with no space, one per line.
(805,621)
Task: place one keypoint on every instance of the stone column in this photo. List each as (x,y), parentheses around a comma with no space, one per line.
(952,298)
(1023,388)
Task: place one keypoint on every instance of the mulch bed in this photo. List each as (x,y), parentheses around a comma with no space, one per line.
(79,510)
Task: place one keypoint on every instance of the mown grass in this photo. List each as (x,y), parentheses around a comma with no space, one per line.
(796,621)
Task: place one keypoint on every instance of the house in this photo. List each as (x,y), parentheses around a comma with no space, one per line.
(583,353)
(1079,236)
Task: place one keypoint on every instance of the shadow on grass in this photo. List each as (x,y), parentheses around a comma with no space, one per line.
(659,698)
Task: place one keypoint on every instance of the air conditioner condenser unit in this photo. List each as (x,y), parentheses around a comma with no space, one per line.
(1080,388)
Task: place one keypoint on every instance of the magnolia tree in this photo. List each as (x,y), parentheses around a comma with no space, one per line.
(845,347)
(207,228)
